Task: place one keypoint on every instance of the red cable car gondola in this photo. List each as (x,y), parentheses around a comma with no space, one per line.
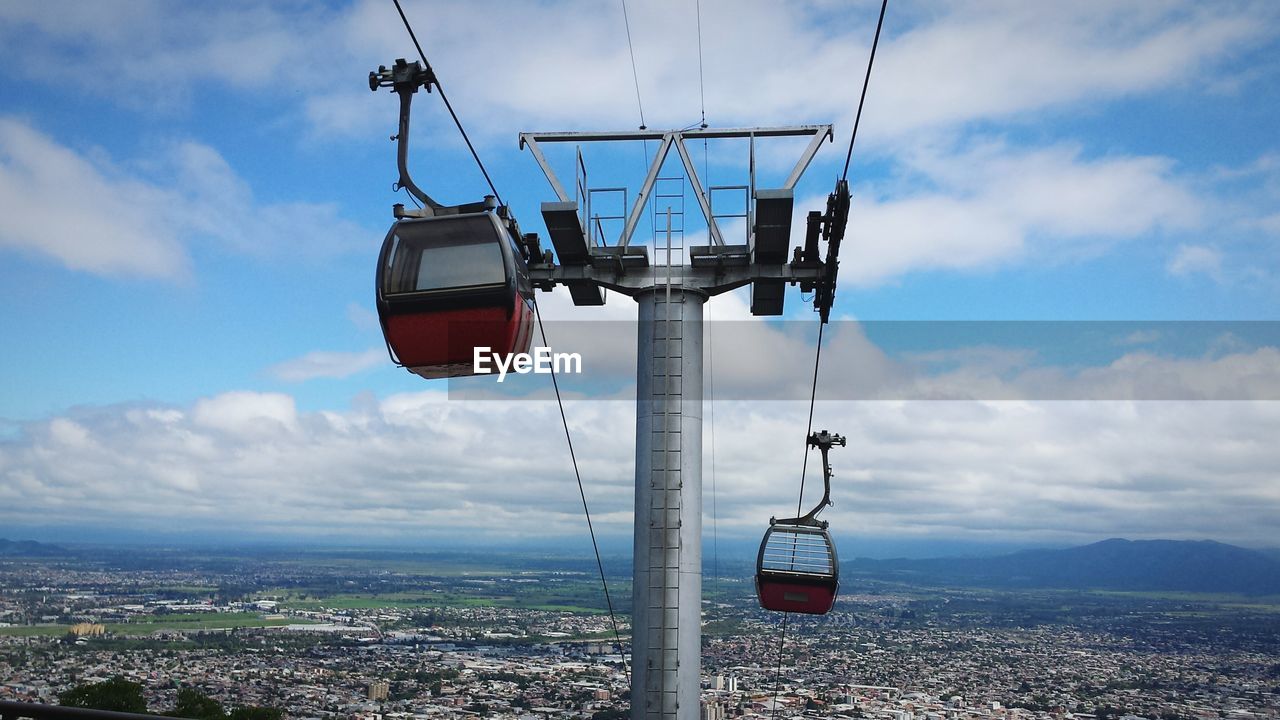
(452,279)
(450,285)
(797,569)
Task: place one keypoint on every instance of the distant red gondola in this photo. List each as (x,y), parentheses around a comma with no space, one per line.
(797,569)
(448,285)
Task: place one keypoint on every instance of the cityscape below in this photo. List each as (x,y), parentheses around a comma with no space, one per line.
(332,395)
(397,635)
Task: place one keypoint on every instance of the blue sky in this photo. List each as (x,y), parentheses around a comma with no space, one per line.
(193,196)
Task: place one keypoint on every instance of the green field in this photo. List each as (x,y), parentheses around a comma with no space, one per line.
(1259,603)
(155,623)
(187,589)
(421,601)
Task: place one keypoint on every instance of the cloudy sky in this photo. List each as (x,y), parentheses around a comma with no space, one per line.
(193,194)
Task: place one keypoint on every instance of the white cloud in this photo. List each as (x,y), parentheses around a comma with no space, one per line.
(557,65)
(350,113)
(252,462)
(566,64)
(938,65)
(1270,223)
(959,361)
(93,216)
(1242,376)
(992,204)
(1001,60)
(153,55)
(418,465)
(771,361)
(218,203)
(1139,337)
(363,318)
(250,413)
(1071,470)
(326,364)
(1196,259)
(1000,461)
(89,216)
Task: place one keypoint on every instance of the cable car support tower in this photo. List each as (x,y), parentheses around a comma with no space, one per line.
(671,291)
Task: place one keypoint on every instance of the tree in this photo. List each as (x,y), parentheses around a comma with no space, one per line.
(194,704)
(115,694)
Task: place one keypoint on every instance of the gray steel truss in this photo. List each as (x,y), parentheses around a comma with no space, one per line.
(676,138)
(711,273)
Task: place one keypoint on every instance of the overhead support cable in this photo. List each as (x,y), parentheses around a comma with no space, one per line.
(817,359)
(866,81)
(447,104)
(635,76)
(813,396)
(542,331)
(702,93)
(777,675)
(568,438)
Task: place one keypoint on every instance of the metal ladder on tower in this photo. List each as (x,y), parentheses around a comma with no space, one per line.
(666,482)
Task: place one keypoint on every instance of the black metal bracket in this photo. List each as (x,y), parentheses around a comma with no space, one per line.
(402,76)
(830,227)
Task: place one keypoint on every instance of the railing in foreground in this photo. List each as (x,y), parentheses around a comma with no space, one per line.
(10,710)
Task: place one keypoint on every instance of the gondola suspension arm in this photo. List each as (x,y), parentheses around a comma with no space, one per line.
(405,79)
(823,441)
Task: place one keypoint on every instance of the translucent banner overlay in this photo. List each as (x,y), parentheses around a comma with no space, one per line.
(773,360)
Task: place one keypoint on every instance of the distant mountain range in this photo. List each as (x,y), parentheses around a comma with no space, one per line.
(29,548)
(1116,564)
